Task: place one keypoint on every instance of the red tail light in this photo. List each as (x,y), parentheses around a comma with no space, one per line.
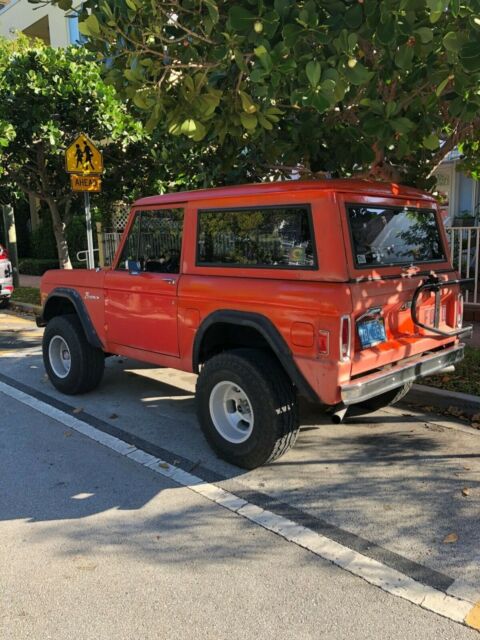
(345,337)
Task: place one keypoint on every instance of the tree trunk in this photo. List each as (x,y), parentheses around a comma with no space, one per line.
(60,238)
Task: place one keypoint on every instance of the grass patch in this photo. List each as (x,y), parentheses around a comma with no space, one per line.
(26,294)
(466,377)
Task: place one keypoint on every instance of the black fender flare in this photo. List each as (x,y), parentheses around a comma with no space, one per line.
(268,331)
(82,312)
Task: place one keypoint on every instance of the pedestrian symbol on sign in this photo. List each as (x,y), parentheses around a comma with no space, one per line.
(78,156)
(83,158)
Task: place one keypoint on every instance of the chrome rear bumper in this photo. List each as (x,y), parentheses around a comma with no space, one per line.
(379,382)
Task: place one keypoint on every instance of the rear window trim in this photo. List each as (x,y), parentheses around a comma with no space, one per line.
(231,265)
(391,265)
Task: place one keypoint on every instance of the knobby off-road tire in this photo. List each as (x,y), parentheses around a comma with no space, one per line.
(270,395)
(384,400)
(83,369)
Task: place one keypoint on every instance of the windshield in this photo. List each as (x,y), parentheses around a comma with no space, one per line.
(386,236)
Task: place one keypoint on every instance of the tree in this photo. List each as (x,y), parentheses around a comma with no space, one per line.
(47,96)
(383,89)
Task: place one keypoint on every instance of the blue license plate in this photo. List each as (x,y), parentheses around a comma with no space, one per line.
(371,332)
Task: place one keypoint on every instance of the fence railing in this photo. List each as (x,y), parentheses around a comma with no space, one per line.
(111,241)
(465,255)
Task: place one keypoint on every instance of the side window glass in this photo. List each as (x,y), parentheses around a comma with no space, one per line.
(155,241)
(130,248)
(278,237)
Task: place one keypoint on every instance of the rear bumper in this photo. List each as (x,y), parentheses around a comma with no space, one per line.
(374,384)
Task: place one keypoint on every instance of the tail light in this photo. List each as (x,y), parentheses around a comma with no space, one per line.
(345,337)
(460,311)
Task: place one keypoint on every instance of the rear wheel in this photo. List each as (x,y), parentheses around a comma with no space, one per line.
(72,364)
(247,407)
(4,303)
(384,400)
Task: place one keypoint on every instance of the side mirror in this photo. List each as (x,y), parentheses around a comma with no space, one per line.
(134,267)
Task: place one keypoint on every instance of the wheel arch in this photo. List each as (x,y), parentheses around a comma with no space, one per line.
(226,328)
(63,301)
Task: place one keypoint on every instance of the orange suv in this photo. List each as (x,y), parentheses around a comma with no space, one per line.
(339,291)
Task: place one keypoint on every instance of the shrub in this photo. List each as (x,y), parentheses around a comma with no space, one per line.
(36,266)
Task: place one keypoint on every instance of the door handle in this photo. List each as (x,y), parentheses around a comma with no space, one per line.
(170,280)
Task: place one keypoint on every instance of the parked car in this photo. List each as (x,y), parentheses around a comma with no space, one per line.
(339,291)
(6,278)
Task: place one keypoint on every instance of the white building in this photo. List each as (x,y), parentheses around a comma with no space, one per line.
(459,192)
(49,23)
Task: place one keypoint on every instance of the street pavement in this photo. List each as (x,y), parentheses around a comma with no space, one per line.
(92,545)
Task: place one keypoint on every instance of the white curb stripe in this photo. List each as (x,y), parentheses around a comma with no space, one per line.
(372,571)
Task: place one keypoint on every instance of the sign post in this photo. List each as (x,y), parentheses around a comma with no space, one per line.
(85,164)
(88,218)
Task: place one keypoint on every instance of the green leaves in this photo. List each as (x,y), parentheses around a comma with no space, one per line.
(249,121)
(358,74)
(452,41)
(425,34)
(431,142)
(313,71)
(404,57)
(240,19)
(90,26)
(247,103)
(397,75)
(470,57)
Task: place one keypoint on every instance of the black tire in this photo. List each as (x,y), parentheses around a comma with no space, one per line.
(4,303)
(86,362)
(384,400)
(273,400)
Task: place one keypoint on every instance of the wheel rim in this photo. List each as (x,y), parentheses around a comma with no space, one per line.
(231,412)
(59,357)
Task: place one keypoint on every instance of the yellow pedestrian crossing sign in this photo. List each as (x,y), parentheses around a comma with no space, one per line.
(83,158)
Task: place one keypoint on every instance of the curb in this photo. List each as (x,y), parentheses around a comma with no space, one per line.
(26,307)
(423,395)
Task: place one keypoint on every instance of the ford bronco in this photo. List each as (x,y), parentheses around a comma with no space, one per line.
(338,291)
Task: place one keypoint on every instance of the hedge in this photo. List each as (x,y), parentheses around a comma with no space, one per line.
(38,266)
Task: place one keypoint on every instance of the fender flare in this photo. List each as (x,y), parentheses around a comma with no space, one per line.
(75,298)
(268,331)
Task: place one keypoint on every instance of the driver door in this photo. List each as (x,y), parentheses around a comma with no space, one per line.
(141,289)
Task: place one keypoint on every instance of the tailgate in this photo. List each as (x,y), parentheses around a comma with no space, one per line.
(389,302)
(392,245)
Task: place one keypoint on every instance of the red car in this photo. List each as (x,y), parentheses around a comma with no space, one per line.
(340,291)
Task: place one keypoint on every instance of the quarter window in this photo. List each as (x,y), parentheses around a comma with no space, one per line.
(154,241)
(268,237)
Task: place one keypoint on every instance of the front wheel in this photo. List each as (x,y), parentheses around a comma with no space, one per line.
(247,407)
(72,364)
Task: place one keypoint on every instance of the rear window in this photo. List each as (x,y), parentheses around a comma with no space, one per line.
(387,236)
(268,237)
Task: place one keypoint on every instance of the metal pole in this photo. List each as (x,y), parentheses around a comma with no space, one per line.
(11,237)
(88,218)
(101,247)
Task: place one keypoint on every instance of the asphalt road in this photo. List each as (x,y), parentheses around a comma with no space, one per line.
(92,545)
